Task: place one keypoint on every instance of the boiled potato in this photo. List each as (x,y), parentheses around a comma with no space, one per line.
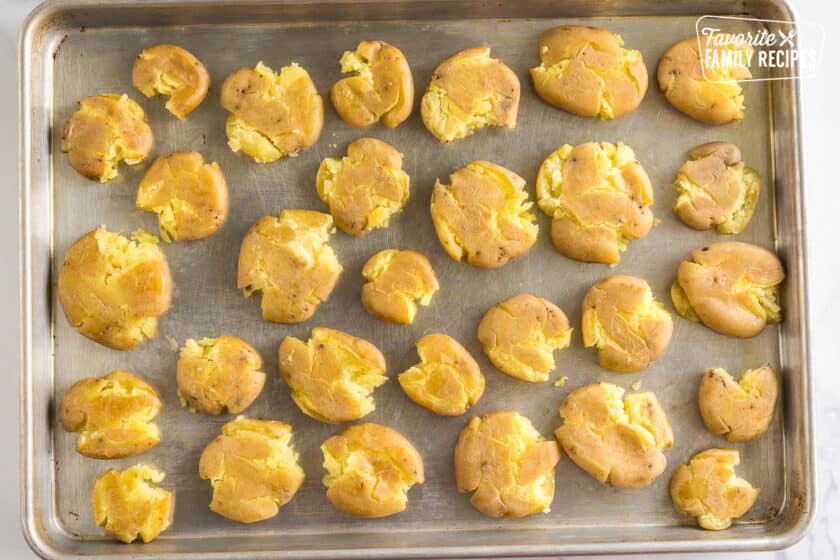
(506,464)
(253,469)
(370,469)
(598,196)
(470,91)
(396,282)
(173,71)
(113,289)
(108,128)
(447,380)
(586,71)
(332,376)
(128,506)
(742,410)
(615,440)
(112,415)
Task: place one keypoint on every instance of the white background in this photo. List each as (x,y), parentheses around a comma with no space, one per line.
(821,104)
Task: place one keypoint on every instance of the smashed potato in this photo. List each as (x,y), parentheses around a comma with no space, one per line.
(447,380)
(364,188)
(219,374)
(333,375)
(506,464)
(740,410)
(708,489)
(715,189)
(272,115)
(586,71)
(189,196)
(112,415)
(626,323)
(470,91)
(614,440)
(173,71)
(730,287)
(289,260)
(113,289)
(483,215)
(715,98)
(381,90)
(521,334)
(598,196)
(370,469)
(127,506)
(253,469)
(108,128)
(396,282)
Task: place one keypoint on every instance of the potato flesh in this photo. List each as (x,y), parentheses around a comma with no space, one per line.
(396,282)
(128,507)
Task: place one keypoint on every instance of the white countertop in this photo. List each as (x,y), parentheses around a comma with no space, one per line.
(820,116)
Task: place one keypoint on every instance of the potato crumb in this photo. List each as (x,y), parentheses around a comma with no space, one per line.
(561,382)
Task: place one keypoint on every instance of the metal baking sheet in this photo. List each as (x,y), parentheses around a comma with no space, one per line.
(77,48)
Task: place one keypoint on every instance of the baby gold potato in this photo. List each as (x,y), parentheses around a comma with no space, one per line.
(219,374)
(447,380)
(506,464)
(189,196)
(716,189)
(173,71)
(483,215)
(709,93)
(253,469)
(333,375)
(708,489)
(396,282)
(470,91)
(598,196)
(290,261)
(108,128)
(520,335)
(625,322)
(382,89)
(128,506)
(113,289)
(743,410)
(112,415)
(586,71)
(272,115)
(730,287)
(364,188)
(614,440)
(370,469)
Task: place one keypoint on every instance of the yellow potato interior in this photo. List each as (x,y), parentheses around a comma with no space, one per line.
(127,506)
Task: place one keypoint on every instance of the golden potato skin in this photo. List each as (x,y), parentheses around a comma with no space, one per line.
(730,287)
(333,375)
(365,188)
(121,312)
(598,196)
(112,415)
(219,374)
(506,464)
(272,115)
(743,410)
(108,128)
(469,91)
(717,100)
(708,489)
(520,335)
(586,71)
(447,380)
(626,323)
(396,281)
(615,440)
(173,71)
(483,215)
(290,261)
(189,196)
(128,507)
(382,90)
(370,469)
